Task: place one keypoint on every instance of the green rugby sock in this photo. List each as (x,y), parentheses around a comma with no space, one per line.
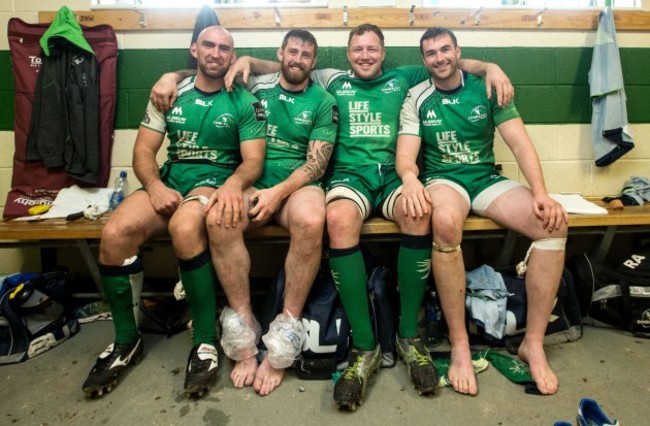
(120,298)
(349,273)
(413,269)
(200,284)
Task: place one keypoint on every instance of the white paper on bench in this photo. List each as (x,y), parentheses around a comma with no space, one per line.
(576,204)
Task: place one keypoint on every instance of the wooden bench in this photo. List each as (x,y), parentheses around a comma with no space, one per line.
(82,232)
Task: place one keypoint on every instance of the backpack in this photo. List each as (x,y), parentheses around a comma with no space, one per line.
(615,297)
(326,326)
(326,346)
(565,322)
(35,315)
(382,296)
(163,315)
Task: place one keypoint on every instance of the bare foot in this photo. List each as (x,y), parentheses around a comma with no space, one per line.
(540,371)
(267,378)
(243,374)
(461,371)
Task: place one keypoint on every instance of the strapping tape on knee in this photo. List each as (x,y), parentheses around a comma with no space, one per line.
(543,244)
(445,249)
(200,198)
(284,340)
(238,339)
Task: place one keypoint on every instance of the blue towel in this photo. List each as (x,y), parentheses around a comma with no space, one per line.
(486,301)
(611,134)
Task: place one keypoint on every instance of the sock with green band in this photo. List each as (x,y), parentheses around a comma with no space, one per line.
(349,273)
(200,284)
(117,287)
(413,269)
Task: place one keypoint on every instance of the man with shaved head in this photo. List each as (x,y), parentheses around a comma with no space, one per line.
(216,150)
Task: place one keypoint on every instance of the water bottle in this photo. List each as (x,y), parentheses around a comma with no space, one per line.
(119,191)
(433,322)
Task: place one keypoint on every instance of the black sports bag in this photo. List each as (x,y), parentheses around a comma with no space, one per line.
(616,297)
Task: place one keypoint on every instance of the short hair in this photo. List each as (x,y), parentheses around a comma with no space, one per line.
(303,35)
(217,27)
(435,32)
(364,28)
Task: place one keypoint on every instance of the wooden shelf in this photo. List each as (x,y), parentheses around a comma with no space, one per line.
(322,18)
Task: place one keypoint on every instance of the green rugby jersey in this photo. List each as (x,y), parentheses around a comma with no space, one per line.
(369,113)
(457,127)
(294,118)
(208,126)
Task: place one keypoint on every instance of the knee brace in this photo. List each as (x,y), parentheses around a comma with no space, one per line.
(541,244)
(445,249)
(284,340)
(238,338)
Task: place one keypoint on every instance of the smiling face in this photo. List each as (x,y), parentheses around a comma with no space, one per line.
(441,57)
(297,60)
(214,52)
(366,54)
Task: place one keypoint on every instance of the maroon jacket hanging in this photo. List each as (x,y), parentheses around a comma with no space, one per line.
(32,182)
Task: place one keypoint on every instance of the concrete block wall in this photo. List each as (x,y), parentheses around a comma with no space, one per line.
(548,68)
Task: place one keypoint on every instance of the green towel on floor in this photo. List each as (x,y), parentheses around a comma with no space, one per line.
(515,370)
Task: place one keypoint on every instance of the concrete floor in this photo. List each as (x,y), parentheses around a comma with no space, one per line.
(607,365)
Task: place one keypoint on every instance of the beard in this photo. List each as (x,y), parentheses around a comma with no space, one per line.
(211,73)
(293,75)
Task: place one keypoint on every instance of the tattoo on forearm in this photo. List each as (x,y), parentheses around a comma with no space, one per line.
(318,156)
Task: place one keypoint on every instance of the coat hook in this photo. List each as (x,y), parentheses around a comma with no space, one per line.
(412,15)
(540,19)
(477,16)
(278,18)
(143,19)
(345,15)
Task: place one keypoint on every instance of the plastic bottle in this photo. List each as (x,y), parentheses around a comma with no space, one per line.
(120,189)
(433,322)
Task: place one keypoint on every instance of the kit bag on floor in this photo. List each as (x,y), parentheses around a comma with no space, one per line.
(615,296)
(382,295)
(163,315)
(35,315)
(565,322)
(326,326)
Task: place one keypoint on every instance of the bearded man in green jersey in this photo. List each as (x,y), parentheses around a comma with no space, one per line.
(451,121)
(302,125)
(363,181)
(216,151)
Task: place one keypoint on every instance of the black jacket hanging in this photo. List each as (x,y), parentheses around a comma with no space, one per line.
(64,131)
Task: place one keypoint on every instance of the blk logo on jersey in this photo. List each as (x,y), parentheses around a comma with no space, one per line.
(285,98)
(447,101)
(201,102)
